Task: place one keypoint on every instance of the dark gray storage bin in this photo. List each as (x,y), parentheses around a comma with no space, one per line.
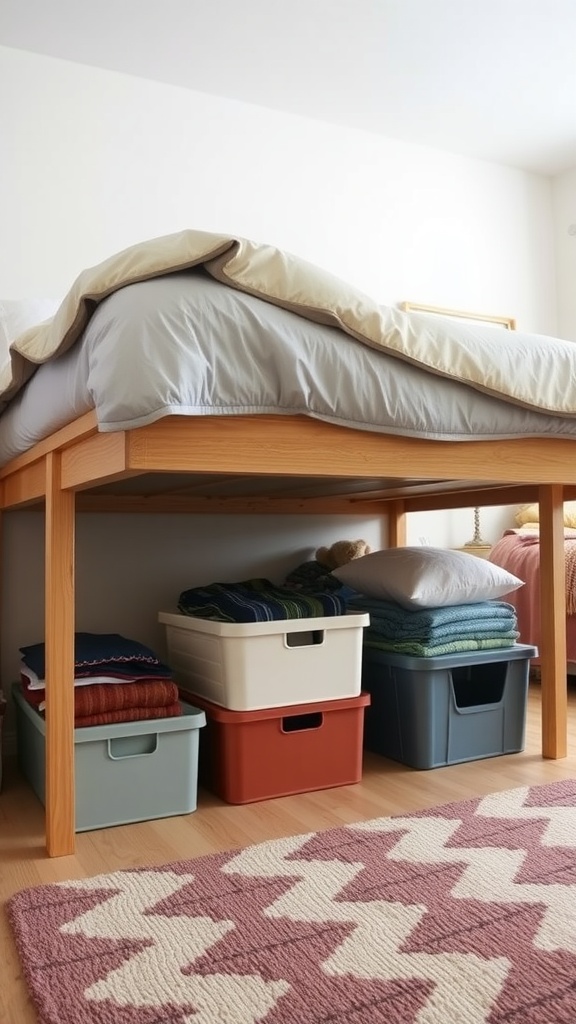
(428,712)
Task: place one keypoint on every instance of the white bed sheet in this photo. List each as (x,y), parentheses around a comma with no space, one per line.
(185,344)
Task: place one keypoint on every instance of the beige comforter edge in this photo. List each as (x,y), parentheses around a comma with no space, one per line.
(533,371)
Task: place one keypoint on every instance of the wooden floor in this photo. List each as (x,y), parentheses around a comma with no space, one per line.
(386,788)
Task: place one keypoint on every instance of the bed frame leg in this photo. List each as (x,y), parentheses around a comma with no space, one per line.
(553,623)
(397,532)
(59,639)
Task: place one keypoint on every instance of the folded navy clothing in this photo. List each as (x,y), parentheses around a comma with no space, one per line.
(311,578)
(93,651)
(128,668)
(257,600)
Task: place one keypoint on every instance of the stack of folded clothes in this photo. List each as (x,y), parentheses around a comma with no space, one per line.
(257,600)
(115,680)
(429,632)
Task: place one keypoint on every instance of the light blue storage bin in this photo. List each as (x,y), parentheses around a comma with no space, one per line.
(126,772)
(429,712)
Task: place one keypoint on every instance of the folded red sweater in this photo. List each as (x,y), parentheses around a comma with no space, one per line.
(104,698)
(129,715)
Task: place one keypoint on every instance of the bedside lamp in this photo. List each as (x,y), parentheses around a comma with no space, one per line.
(477,546)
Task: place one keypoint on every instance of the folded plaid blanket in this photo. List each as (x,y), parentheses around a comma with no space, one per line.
(257,600)
(420,650)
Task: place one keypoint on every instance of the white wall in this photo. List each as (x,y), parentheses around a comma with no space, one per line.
(130,567)
(564,207)
(93,161)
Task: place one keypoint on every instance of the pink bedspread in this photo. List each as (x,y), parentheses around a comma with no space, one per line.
(520,554)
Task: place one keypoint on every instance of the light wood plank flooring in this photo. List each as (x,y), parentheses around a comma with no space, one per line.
(386,788)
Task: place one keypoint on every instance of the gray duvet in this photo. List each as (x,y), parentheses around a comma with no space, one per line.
(185,344)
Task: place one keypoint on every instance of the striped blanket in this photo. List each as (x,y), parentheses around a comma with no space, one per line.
(257,600)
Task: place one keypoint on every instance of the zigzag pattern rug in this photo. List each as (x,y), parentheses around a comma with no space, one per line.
(463,914)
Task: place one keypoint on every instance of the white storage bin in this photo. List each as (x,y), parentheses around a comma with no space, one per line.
(255,665)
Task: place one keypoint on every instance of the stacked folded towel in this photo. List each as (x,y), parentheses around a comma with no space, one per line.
(429,632)
(257,600)
(115,680)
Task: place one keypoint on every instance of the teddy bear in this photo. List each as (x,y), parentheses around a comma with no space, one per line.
(341,552)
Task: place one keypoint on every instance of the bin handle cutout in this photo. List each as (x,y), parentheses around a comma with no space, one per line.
(120,747)
(306,638)
(299,723)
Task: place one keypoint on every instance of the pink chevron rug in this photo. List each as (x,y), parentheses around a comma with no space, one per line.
(462,914)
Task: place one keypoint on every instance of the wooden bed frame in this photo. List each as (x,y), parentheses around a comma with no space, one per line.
(272,464)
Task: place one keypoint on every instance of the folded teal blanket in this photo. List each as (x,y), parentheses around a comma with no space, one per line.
(257,600)
(392,620)
(493,631)
(420,650)
(440,634)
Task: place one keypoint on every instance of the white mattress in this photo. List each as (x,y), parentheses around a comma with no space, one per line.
(184,344)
